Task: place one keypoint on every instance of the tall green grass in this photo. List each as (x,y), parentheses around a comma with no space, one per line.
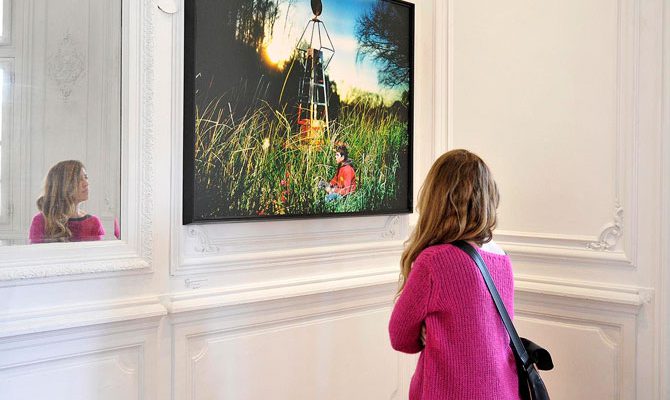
(256,165)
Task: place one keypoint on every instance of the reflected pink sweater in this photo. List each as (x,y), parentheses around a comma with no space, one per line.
(467,354)
(84,228)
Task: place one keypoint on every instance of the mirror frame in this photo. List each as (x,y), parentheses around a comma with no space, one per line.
(27,264)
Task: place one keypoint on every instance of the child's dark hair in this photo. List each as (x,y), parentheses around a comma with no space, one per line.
(342,149)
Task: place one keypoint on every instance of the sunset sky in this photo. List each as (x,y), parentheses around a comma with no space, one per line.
(339,18)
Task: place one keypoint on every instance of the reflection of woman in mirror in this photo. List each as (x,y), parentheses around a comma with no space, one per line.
(60,219)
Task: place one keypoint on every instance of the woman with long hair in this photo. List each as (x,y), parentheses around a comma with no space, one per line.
(60,219)
(443,307)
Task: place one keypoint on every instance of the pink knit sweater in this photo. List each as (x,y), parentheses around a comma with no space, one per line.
(467,354)
(83,228)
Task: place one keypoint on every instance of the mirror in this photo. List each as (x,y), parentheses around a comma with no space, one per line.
(60,100)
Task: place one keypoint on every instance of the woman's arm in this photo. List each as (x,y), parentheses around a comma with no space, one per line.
(36,234)
(411,309)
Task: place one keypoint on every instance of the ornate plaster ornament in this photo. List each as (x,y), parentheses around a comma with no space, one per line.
(611,233)
(391,230)
(66,65)
(202,242)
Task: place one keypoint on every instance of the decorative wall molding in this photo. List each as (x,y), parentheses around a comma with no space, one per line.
(203,243)
(232,247)
(167,6)
(392,228)
(372,372)
(606,241)
(108,361)
(66,65)
(12,274)
(604,344)
(299,288)
(147,134)
(308,256)
(585,295)
(611,233)
(66,317)
(201,334)
(561,249)
(121,365)
(33,264)
(230,238)
(615,245)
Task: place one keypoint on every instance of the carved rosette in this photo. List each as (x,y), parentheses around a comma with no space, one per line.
(66,66)
(610,235)
(392,228)
(202,242)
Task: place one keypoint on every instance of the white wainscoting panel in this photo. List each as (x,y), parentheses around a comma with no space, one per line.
(546,93)
(104,362)
(108,375)
(320,346)
(579,349)
(591,334)
(334,358)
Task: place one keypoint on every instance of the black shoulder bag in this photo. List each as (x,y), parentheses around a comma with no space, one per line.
(529,356)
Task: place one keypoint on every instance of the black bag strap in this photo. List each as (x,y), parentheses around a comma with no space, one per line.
(517,346)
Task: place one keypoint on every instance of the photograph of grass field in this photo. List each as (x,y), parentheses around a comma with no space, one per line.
(297,108)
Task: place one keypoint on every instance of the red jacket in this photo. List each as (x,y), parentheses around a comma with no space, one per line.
(344,181)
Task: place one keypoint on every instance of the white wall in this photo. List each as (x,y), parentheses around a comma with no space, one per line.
(565,100)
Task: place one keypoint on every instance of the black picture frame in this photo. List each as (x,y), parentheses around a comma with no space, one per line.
(206,60)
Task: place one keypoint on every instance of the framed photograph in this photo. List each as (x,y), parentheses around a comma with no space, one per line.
(297,108)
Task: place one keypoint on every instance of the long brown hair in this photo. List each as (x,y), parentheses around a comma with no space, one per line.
(457,201)
(58,202)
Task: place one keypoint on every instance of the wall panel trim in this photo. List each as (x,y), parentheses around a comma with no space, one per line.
(627,300)
(79,315)
(293,289)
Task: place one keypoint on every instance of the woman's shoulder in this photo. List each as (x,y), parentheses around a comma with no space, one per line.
(39,217)
(448,250)
(85,220)
(433,253)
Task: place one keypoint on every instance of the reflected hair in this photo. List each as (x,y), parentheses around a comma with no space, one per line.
(58,201)
(457,201)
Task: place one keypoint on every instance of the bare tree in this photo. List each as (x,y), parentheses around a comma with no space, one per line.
(383,35)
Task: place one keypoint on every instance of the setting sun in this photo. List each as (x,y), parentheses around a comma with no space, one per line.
(278,52)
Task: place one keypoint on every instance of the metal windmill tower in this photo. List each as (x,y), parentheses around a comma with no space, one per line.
(315,55)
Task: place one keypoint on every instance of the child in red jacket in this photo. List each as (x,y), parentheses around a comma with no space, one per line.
(344,181)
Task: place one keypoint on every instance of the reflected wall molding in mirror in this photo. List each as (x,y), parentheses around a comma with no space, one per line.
(133,57)
(66,65)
